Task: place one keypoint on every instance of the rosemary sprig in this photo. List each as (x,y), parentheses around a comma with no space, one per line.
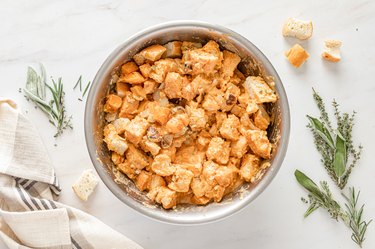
(79,83)
(54,108)
(323,198)
(355,222)
(335,146)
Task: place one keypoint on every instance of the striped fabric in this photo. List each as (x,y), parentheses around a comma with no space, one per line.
(30,216)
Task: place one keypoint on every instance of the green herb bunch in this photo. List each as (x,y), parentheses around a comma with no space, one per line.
(335,146)
(54,108)
(339,156)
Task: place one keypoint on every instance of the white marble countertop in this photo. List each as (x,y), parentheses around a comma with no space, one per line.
(74,37)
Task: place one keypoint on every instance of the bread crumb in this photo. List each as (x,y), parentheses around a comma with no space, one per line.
(85,184)
(297,55)
(332,50)
(296,28)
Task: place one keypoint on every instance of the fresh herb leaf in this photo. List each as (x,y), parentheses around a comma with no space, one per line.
(322,131)
(308,184)
(336,155)
(86,88)
(355,219)
(79,82)
(35,90)
(339,161)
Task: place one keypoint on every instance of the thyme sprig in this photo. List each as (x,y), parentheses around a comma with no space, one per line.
(54,108)
(321,197)
(339,155)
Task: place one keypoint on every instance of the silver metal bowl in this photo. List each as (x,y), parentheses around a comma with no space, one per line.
(253,63)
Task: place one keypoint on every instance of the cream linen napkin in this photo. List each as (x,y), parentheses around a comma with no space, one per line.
(30,216)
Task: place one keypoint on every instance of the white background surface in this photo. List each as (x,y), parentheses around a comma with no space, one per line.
(74,37)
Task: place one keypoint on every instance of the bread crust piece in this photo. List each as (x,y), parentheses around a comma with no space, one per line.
(85,184)
(332,50)
(297,55)
(299,29)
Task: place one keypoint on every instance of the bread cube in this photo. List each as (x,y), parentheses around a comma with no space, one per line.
(229,128)
(136,129)
(128,68)
(261,118)
(200,62)
(209,172)
(213,100)
(249,167)
(153,52)
(173,49)
(181,180)
(198,85)
(218,150)
(128,169)
(230,62)
(162,165)
(332,50)
(197,118)
(150,86)
(259,90)
(145,70)
(297,55)
(136,157)
(120,125)
(132,78)
(113,103)
(149,146)
(163,195)
(225,176)
(156,181)
(237,110)
(239,147)
(259,143)
(122,88)
(143,180)
(199,186)
(129,105)
(85,185)
(252,107)
(177,123)
(116,158)
(161,67)
(138,92)
(139,59)
(173,85)
(217,193)
(300,29)
(114,142)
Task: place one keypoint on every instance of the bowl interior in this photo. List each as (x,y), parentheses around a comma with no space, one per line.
(253,63)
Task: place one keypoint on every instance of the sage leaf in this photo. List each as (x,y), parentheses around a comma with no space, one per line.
(339,161)
(308,184)
(32,81)
(322,131)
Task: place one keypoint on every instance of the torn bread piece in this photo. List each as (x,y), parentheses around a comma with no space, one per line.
(299,29)
(332,50)
(85,184)
(297,55)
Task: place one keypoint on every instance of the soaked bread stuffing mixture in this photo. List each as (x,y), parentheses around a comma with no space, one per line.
(186,125)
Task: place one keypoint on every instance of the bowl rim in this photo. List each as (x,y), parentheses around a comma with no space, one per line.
(230,209)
